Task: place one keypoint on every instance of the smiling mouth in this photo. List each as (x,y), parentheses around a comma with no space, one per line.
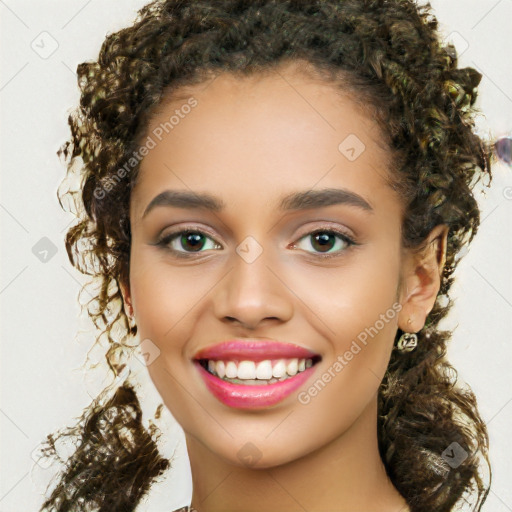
(260,373)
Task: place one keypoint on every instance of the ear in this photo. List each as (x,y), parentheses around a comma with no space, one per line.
(421,280)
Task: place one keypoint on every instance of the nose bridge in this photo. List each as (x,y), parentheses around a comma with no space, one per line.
(252,291)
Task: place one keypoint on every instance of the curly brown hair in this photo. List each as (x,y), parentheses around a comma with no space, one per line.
(389,55)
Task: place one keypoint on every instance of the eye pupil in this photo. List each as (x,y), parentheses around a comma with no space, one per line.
(323,239)
(195,237)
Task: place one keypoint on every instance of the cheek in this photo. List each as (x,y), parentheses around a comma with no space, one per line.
(355,308)
(163,295)
(351,296)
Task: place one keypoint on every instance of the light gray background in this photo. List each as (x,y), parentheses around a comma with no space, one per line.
(42,386)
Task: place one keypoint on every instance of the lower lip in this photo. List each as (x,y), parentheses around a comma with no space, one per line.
(244,396)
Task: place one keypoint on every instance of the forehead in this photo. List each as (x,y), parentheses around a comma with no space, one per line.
(248,137)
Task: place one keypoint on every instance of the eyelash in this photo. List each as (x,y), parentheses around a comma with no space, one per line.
(165,241)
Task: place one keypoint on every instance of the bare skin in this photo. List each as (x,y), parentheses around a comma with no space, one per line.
(250,142)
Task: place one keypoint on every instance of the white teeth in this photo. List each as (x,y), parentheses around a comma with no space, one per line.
(246,370)
(264,370)
(231,370)
(292,367)
(279,369)
(220,368)
(267,370)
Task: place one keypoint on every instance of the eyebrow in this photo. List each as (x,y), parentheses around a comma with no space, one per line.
(294,201)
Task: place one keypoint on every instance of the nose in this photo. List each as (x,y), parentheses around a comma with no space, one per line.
(253,293)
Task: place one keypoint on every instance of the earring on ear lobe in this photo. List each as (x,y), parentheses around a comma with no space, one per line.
(408,341)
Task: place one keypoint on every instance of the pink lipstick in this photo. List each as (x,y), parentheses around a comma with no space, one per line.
(249,374)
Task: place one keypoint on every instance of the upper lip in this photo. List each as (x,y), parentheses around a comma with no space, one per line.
(254,350)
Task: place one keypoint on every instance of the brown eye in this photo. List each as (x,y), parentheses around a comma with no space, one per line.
(187,242)
(192,240)
(326,242)
(323,241)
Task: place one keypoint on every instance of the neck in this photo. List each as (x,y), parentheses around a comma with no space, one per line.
(344,475)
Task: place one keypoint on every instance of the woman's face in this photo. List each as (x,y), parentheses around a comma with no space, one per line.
(273,260)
